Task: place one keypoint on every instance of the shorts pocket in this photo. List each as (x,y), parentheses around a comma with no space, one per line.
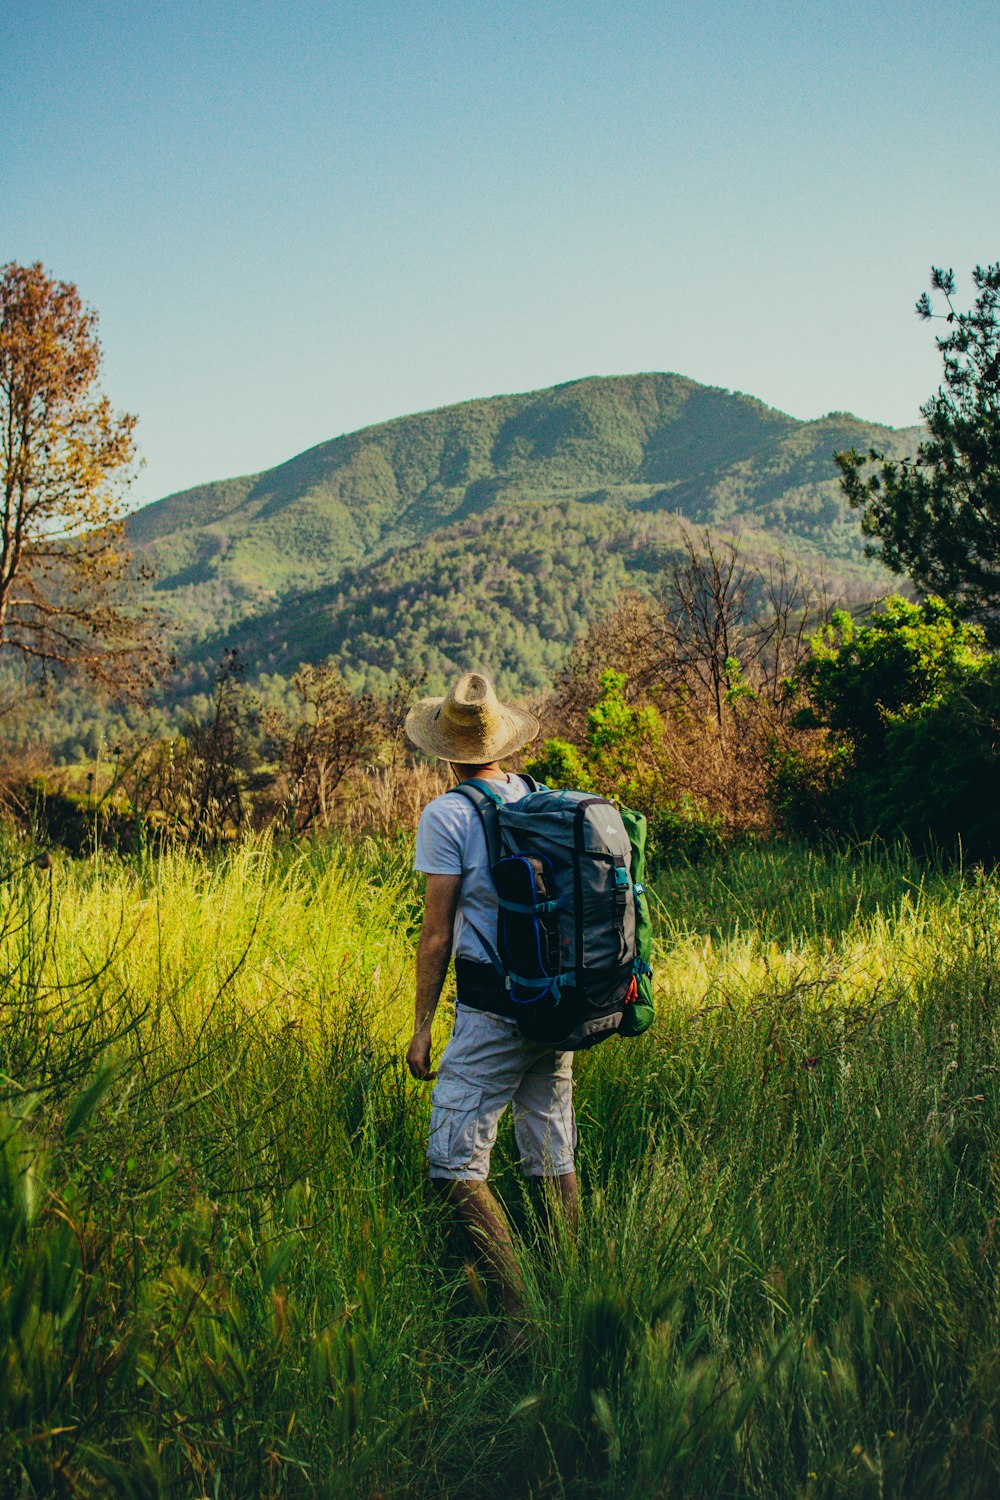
(454,1132)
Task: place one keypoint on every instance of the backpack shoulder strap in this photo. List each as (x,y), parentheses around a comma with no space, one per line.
(487,805)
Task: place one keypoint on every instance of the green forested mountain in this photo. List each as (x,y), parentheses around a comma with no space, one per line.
(492,530)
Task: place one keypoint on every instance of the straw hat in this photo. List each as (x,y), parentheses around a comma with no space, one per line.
(470,726)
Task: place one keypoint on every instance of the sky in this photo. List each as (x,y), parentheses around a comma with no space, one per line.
(297,219)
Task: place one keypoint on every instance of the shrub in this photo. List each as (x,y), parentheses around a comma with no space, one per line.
(911,701)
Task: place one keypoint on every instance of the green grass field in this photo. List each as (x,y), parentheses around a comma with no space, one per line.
(222,1274)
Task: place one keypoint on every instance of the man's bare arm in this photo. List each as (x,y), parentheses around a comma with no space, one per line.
(433,953)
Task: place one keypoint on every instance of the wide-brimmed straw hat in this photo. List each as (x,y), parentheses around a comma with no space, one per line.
(469,726)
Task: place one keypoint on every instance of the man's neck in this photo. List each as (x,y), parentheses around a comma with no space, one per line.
(492,772)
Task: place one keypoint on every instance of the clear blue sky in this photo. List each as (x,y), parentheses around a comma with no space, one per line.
(295,219)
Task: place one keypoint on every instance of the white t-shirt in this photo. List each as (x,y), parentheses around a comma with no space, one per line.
(450,841)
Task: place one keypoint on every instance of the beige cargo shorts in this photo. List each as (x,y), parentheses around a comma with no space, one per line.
(487,1065)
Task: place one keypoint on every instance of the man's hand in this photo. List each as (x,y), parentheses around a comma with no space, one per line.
(418,1054)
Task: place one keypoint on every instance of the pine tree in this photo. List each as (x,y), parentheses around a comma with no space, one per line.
(937,516)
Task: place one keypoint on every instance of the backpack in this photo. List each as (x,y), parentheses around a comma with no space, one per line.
(573,930)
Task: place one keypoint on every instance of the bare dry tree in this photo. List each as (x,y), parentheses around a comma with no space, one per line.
(715,652)
(791,608)
(216,759)
(633,638)
(706,601)
(334,731)
(737,625)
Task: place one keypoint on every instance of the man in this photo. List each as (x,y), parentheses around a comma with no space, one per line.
(487,1064)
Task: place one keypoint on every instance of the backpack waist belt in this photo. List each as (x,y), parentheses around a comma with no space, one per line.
(480,987)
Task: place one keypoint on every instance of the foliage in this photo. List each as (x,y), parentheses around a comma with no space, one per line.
(193,787)
(679,704)
(65,461)
(803,775)
(902,661)
(332,757)
(560,764)
(622,757)
(936,516)
(946,762)
(221,1273)
(216,756)
(509,590)
(912,700)
(332,731)
(324,740)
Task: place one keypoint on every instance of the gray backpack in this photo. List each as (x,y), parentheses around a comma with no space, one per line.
(566,921)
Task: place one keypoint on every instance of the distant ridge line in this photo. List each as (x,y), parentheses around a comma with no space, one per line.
(581,480)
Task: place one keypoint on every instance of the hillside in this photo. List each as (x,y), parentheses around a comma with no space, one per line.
(498,525)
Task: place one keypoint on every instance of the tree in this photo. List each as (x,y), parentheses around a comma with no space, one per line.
(66,459)
(336,730)
(737,629)
(937,516)
(217,756)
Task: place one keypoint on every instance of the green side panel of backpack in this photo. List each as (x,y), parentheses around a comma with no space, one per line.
(639,1017)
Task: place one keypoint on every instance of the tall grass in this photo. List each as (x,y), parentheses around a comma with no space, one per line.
(221,1271)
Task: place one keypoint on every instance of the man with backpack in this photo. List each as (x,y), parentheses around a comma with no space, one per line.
(538,894)
(487,1064)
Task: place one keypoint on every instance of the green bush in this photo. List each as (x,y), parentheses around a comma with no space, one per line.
(944,768)
(900,663)
(561,764)
(911,703)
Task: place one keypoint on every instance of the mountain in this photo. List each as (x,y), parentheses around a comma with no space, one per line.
(493,530)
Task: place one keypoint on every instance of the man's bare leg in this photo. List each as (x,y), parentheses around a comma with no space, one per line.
(559,1200)
(487,1224)
(569,1197)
